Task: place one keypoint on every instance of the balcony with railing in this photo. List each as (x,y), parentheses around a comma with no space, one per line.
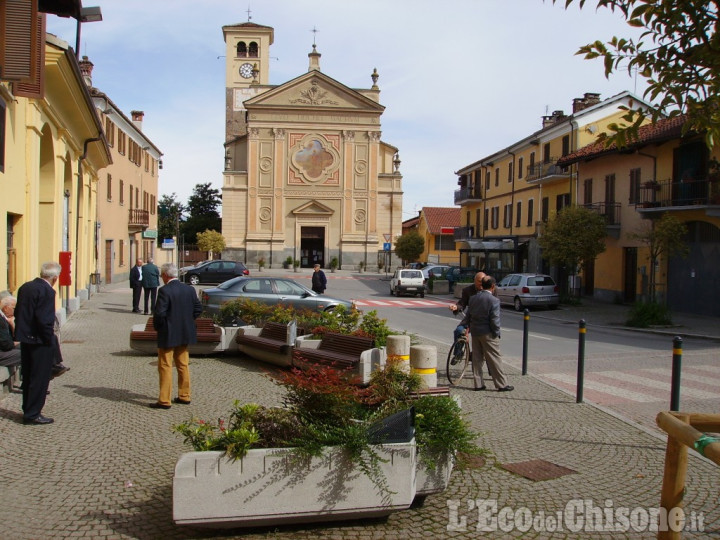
(548,171)
(611,213)
(463,233)
(468,194)
(138,220)
(669,195)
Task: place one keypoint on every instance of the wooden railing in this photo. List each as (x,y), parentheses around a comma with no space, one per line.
(138,218)
(683,432)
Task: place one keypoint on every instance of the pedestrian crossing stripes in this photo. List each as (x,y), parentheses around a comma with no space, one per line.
(407,303)
(650,385)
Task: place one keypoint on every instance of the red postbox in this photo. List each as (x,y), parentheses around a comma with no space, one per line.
(66,272)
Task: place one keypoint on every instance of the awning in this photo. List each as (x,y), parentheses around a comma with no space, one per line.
(487,245)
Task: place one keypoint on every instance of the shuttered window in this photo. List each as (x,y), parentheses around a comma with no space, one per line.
(19,40)
(34,85)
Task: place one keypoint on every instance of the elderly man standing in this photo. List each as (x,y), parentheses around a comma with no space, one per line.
(460,305)
(150,283)
(176,309)
(483,320)
(136,276)
(35,330)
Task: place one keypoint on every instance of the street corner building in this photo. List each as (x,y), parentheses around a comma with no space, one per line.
(307,175)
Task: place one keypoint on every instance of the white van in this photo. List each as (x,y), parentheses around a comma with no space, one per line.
(407,281)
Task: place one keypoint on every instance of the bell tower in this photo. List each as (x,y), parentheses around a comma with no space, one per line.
(247,67)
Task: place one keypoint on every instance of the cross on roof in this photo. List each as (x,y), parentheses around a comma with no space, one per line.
(248,12)
(314,31)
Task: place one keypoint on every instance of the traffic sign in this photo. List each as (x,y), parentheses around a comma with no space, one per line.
(386,246)
(387,237)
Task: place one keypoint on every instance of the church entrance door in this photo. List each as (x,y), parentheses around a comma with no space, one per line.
(312,246)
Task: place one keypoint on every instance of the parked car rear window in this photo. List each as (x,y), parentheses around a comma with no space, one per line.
(412,274)
(540,281)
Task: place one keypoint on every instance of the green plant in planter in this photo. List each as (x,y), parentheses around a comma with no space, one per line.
(296,264)
(334,263)
(288,262)
(261,263)
(325,407)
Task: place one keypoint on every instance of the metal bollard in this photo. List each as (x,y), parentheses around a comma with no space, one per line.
(398,350)
(423,361)
(581,362)
(526,327)
(676,365)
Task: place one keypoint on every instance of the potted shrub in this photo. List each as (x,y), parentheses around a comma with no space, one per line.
(288,262)
(334,264)
(264,465)
(361,266)
(261,264)
(296,265)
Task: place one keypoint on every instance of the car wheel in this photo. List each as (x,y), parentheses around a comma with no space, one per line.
(194,279)
(518,304)
(422,295)
(392,291)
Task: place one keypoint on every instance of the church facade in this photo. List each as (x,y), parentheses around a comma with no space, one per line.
(307,175)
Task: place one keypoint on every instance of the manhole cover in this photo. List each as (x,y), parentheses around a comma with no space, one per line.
(472,462)
(73,341)
(537,469)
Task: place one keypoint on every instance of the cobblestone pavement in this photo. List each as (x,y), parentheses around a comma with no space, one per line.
(104,469)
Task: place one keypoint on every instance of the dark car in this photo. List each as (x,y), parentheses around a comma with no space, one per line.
(268,290)
(458,274)
(213,272)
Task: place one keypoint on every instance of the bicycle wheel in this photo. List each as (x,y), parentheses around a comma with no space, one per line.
(455,370)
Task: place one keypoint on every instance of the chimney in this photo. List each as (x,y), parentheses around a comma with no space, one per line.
(86,67)
(554,118)
(588,100)
(137,119)
(314,57)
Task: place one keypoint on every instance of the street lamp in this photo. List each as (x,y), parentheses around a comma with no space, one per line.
(87,14)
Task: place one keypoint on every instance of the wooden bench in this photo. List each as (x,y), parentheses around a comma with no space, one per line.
(338,350)
(272,343)
(209,337)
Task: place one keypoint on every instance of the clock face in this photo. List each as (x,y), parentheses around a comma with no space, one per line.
(246,70)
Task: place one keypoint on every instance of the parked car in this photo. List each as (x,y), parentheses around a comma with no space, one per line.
(436,270)
(196,265)
(417,265)
(213,272)
(457,274)
(268,290)
(525,290)
(407,281)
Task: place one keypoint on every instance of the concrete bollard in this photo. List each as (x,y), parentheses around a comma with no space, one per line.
(398,350)
(423,361)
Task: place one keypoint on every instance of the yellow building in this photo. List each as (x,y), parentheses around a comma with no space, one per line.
(436,225)
(661,172)
(307,175)
(127,189)
(52,150)
(506,197)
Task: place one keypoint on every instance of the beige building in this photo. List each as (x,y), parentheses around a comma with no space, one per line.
(507,196)
(307,175)
(661,171)
(127,189)
(52,149)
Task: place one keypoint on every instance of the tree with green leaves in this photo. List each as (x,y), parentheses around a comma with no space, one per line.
(211,241)
(170,216)
(203,212)
(575,236)
(678,53)
(409,246)
(663,237)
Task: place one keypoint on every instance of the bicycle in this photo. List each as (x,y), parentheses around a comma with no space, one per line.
(456,366)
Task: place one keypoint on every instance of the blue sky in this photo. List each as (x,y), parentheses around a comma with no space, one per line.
(459,80)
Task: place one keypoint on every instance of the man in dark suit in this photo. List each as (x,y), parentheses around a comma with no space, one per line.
(482,318)
(150,284)
(9,348)
(136,284)
(176,309)
(35,330)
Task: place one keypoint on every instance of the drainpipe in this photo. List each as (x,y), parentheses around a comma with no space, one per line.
(77,205)
(512,192)
(654,158)
(573,147)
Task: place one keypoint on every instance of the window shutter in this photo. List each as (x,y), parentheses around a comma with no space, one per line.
(17,39)
(35,88)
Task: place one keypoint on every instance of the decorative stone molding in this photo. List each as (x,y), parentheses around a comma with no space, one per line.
(278,133)
(374,136)
(361,166)
(349,136)
(314,96)
(254,133)
(264,214)
(266,164)
(360,216)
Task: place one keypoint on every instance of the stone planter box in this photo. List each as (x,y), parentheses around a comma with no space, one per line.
(271,486)
(440,286)
(276,358)
(428,482)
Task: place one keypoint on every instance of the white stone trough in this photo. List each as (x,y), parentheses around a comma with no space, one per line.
(273,486)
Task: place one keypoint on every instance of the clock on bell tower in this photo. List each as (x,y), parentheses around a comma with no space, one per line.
(247,66)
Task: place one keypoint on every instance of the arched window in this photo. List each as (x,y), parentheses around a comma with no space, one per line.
(253,51)
(242,49)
